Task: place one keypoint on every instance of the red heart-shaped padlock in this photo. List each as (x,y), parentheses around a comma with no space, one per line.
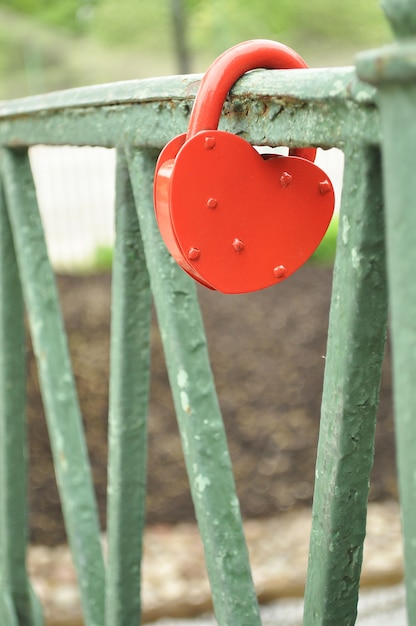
(235,220)
(245,223)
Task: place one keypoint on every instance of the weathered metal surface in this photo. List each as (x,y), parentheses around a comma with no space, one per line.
(320,84)
(398,108)
(199,418)
(393,70)
(314,107)
(226,69)
(129,382)
(356,339)
(394,63)
(15,593)
(57,385)
(401,15)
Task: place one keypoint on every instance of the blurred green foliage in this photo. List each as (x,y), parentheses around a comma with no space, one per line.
(65,14)
(48,45)
(296,22)
(134,22)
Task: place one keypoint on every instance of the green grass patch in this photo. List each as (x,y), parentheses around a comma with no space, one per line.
(102,260)
(325,252)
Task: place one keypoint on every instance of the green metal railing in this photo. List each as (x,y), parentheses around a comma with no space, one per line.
(375,126)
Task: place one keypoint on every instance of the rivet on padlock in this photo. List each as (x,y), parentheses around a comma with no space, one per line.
(194,254)
(285,179)
(238,245)
(235,220)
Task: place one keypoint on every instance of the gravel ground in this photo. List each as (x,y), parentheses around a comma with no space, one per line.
(378,607)
(175,584)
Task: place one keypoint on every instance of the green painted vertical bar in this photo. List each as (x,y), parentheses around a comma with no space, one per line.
(6,607)
(356,340)
(398,114)
(200,422)
(57,384)
(14,588)
(393,70)
(129,385)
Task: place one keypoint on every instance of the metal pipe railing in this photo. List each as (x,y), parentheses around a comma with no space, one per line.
(325,107)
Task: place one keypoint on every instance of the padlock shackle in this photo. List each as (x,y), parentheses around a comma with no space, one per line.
(227,69)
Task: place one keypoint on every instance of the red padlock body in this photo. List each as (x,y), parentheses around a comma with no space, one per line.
(161,194)
(253,221)
(161,189)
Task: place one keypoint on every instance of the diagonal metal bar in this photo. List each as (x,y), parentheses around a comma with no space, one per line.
(129,383)
(199,418)
(14,586)
(57,384)
(356,340)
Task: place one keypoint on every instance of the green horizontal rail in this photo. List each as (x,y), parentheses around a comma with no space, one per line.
(373,124)
(289,107)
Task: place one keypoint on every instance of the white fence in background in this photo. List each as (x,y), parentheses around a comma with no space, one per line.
(75,189)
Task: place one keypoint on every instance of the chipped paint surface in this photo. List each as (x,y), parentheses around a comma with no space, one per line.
(337,89)
(321,101)
(201,483)
(355,259)
(345,229)
(182,379)
(185,401)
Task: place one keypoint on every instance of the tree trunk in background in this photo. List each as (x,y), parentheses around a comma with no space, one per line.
(179,37)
